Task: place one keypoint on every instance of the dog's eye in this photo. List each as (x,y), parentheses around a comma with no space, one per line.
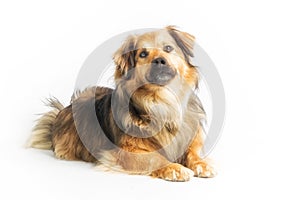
(143,54)
(168,48)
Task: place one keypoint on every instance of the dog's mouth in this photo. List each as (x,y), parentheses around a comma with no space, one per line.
(160,75)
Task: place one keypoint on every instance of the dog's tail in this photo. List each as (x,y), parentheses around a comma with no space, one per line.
(41,137)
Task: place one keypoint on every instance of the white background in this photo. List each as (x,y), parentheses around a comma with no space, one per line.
(254,44)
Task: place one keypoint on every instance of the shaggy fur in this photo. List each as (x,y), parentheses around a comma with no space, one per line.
(149,124)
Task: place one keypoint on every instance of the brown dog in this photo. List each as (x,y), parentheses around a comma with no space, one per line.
(149,124)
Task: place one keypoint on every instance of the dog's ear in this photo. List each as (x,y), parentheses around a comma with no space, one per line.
(124,57)
(184,40)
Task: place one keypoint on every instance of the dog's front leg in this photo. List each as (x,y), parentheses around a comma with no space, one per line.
(154,164)
(138,161)
(192,160)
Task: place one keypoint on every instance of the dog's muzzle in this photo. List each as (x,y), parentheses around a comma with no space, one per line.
(160,73)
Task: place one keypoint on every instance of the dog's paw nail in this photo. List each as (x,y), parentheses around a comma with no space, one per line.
(174,177)
(198,170)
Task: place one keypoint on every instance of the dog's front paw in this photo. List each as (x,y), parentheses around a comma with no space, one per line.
(204,170)
(173,172)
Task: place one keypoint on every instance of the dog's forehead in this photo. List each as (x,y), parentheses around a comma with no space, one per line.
(155,39)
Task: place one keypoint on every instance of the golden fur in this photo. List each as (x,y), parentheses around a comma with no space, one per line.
(149,124)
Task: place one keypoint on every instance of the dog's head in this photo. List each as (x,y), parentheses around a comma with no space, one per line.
(155,80)
(157,58)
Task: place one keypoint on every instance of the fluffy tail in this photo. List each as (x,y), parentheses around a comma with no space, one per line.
(41,134)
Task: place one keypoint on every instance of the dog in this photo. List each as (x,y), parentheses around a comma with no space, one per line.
(151,123)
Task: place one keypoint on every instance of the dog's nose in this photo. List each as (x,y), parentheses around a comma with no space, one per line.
(161,73)
(159,61)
